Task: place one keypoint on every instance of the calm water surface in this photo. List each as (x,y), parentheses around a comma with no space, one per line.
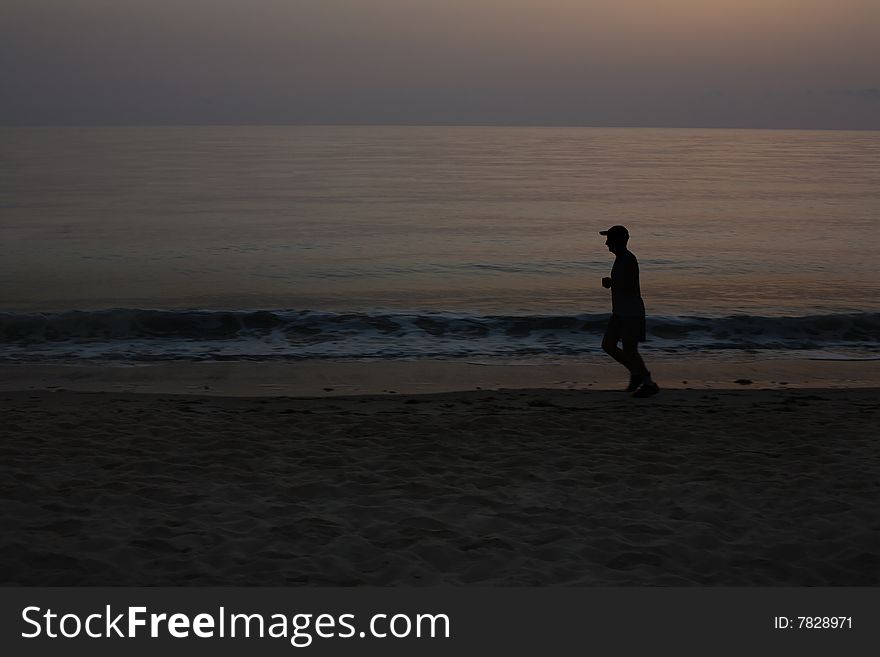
(479,219)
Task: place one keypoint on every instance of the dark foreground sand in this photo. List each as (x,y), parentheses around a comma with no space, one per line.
(538,487)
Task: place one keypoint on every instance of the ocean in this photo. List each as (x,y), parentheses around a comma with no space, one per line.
(143,244)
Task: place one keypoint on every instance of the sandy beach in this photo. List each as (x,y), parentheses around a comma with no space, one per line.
(547,486)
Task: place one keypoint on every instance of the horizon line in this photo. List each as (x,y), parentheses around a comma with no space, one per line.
(428,125)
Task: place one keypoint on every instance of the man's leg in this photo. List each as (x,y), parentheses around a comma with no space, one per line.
(610,339)
(631,353)
(609,346)
(646,387)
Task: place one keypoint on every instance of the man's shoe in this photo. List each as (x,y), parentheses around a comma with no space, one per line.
(635,380)
(647,390)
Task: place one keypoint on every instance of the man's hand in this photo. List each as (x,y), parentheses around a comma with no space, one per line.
(606,282)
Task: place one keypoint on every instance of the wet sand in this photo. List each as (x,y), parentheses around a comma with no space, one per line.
(332,378)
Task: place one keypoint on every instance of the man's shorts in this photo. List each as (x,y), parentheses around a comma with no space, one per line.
(626,328)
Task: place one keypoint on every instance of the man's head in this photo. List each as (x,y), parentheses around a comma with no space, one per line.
(616,238)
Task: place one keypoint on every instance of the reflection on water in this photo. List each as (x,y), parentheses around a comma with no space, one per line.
(451,219)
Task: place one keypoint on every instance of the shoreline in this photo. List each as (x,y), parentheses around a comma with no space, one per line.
(331,378)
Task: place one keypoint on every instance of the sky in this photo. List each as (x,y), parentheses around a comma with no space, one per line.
(677,63)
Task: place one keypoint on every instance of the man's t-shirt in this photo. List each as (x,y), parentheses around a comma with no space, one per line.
(626,297)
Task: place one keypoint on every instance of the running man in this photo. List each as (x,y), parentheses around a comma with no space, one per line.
(627,323)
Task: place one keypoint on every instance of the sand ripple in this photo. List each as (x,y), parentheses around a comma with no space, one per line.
(511,487)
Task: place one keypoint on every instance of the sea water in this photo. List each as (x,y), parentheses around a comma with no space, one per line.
(290,242)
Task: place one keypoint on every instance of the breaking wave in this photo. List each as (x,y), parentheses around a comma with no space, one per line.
(151,335)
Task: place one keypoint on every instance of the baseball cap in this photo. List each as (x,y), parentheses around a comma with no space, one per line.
(615,231)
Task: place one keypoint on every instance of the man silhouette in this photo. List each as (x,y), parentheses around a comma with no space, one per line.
(627,323)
